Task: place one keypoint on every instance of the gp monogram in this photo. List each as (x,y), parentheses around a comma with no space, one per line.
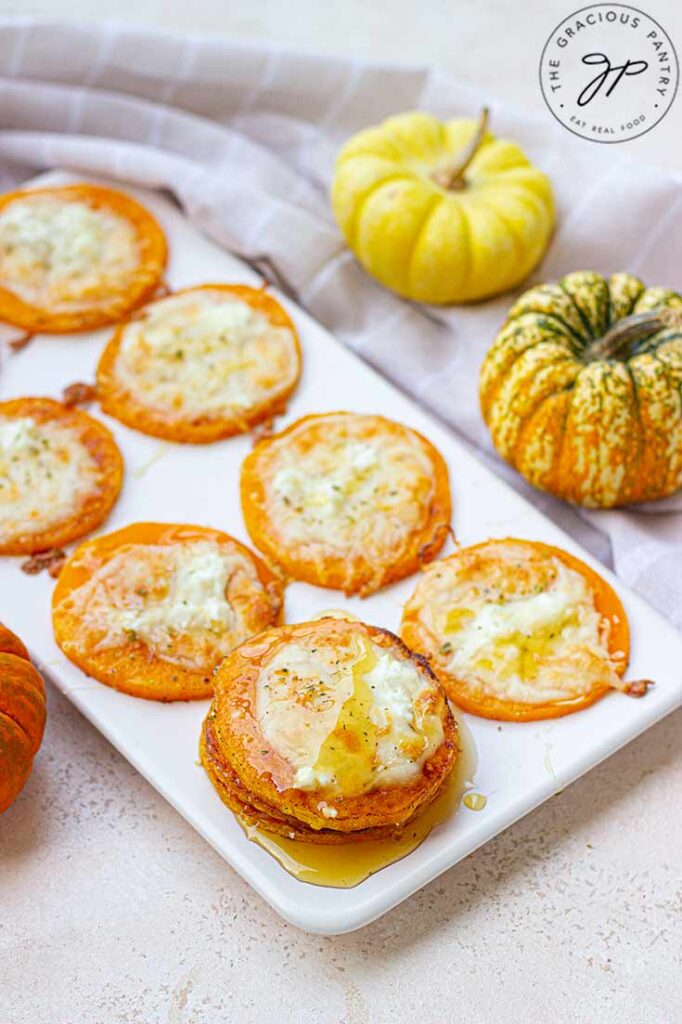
(609,72)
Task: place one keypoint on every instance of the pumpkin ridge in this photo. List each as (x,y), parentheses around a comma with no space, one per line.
(488,400)
(22,716)
(523,194)
(11,644)
(674,370)
(434,204)
(406,138)
(637,460)
(566,327)
(34,702)
(676,385)
(590,293)
(607,315)
(518,242)
(16,754)
(556,468)
(666,368)
(352,230)
(583,319)
(654,343)
(501,219)
(621,279)
(657,298)
(466,247)
(4,713)
(521,436)
(521,401)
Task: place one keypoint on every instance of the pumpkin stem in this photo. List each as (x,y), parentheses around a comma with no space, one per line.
(451,175)
(620,339)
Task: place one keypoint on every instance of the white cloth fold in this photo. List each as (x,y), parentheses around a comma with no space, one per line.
(244,136)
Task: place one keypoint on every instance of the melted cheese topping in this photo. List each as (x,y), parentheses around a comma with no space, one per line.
(347,719)
(174,598)
(205,353)
(59,254)
(518,628)
(46,473)
(352,489)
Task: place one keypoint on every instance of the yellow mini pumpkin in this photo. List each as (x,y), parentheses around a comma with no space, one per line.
(582,389)
(439,212)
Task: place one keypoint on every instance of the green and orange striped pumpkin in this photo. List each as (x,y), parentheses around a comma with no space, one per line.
(22,716)
(582,389)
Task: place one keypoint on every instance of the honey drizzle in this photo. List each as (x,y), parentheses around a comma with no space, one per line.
(345,866)
(348,752)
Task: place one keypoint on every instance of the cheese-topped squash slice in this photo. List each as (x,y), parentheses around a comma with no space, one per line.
(202,364)
(346,501)
(153,608)
(328,730)
(60,473)
(75,257)
(518,630)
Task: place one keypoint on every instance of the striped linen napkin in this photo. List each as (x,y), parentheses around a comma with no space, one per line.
(244,136)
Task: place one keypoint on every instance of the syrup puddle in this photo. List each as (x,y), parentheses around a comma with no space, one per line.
(474,801)
(343,867)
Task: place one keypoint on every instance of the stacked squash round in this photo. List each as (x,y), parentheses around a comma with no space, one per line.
(307,738)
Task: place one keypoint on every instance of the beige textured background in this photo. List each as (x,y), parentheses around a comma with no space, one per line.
(113,909)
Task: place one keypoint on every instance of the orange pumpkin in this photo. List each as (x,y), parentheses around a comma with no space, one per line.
(22,716)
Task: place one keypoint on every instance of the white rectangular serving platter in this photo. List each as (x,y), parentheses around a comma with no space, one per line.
(519,765)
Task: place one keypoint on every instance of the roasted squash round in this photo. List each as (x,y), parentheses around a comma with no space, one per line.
(22,716)
(346,501)
(75,257)
(153,608)
(329,731)
(201,364)
(60,474)
(519,630)
(582,389)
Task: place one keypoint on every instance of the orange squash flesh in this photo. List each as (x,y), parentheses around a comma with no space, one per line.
(96,505)
(353,572)
(104,306)
(476,702)
(22,716)
(134,668)
(117,400)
